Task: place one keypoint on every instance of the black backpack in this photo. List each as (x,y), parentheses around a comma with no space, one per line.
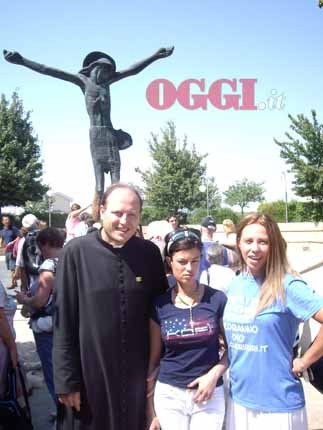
(31,254)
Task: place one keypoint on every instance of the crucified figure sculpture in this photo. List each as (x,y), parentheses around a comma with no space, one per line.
(94,79)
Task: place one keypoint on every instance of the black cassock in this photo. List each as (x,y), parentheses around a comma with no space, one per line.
(103,296)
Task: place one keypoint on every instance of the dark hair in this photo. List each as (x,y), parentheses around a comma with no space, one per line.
(84,216)
(172,216)
(117,186)
(50,236)
(4,215)
(182,239)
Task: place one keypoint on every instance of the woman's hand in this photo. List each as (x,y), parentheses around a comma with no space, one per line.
(205,385)
(298,367)
(155,425)
(72,400)
(20,297)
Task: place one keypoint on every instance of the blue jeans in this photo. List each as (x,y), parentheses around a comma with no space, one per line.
(44,345)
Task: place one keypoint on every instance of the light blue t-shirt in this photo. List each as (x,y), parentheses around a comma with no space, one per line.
(261,346)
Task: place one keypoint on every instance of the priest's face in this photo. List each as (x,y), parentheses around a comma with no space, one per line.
(120,216)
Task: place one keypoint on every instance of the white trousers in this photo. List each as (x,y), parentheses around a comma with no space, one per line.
(241,418)
(176,410)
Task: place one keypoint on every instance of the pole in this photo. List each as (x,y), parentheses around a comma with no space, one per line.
(207,197)
(286,199)
(49,212)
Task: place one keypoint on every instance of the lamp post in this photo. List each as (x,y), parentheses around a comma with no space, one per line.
(50,201)
(286,200)
(205,187)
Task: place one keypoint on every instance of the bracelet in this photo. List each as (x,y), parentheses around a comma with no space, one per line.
(150,393)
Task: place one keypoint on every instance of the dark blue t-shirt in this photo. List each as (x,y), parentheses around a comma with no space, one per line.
(190,350)
(9,234)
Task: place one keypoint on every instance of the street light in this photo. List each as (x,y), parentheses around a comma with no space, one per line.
(286,200)
(50,201)
(205,187)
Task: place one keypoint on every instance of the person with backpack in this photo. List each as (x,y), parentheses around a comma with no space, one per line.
(29,257)
(50,242)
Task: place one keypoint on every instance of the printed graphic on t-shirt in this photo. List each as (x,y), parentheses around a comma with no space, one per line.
(241,327)
(182,330)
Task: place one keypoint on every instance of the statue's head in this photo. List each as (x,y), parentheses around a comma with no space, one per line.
(99,61)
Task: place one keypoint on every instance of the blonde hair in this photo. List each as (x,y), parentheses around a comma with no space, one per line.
(228,226)
(277,264)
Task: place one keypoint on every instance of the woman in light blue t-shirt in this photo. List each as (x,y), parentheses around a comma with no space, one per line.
(266,304)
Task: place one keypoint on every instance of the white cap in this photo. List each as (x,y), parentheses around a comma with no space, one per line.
(29,221)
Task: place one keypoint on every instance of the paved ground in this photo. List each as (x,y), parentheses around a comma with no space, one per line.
(42,405)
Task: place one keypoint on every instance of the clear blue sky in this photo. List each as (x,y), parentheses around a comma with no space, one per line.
(278,43)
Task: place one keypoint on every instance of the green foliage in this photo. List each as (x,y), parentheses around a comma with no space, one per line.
(243,192)
(297,211)
(172,184)
(20,164)
(227,213)
(305,156)
(275,209)
(219,214)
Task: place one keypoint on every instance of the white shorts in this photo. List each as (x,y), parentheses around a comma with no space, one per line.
(176,410)
(241,418)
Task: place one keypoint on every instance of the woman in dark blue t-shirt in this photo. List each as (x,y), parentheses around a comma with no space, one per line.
(185,327)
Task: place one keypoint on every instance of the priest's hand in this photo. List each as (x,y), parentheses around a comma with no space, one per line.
(73,400)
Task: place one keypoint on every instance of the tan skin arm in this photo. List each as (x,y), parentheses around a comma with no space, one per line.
(7,337)
(45,287)
(314,352)
(155,343)
(77,212)
(206,384)
(20,273)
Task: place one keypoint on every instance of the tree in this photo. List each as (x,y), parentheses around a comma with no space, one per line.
(172,184)
(243,192)
(276,209)
(20,164)
(305,156)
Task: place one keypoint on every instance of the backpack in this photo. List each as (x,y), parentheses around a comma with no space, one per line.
(31,254)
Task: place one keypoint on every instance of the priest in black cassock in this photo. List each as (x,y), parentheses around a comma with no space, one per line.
(105,283)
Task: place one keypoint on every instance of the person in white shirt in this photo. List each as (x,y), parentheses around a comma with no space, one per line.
(216,276)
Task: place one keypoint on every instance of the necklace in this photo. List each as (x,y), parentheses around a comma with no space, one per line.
(190,305)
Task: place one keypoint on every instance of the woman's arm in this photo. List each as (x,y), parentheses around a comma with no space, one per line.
(45,287)
(77,212)
(155,343)
(206,384)
(314,352)
(7,337)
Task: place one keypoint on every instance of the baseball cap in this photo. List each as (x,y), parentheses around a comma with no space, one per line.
(29,220)
(209,222)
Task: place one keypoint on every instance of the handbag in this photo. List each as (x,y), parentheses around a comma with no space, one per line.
(14,410)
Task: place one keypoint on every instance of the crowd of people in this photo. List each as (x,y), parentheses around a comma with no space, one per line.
(178,331)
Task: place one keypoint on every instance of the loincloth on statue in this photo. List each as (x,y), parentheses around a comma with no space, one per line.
(106,142)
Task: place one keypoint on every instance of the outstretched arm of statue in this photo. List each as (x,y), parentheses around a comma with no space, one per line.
(138,67)
(16,58)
